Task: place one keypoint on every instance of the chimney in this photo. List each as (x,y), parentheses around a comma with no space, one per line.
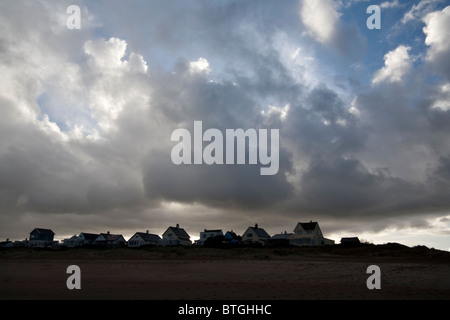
(178,225)
(146,232)
(256,226)
(205,230)
(108,232)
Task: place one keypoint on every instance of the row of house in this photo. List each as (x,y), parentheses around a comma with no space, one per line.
(304,234)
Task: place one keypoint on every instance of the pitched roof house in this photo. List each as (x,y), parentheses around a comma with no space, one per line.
(175,236)
(87,238)
(308,234)
(141,239)
(71,242)
(81,240)
(109,240)
(232,237)
(40,237)
(255,235)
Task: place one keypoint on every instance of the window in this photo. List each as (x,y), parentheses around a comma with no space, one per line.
(249,235)
(299,232)
(309,232)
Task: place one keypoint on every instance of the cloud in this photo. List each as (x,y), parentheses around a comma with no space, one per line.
(392,4)
(419,10)
(437,35)
(322,21)
(397,64)
(87,117)
(200,66)
(321,18)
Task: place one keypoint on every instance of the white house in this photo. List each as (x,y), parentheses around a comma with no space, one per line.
(255,235)
(87,238)
(81,240)
(141,239)
(71,242)
(206,234)
(308,234)
(175,236)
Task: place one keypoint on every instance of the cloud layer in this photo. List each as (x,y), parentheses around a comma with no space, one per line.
(87,117)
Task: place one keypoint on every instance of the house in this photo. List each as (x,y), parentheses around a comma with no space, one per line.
(40,238)
(232,238)
(71,242)
(109,240)
(141,239)
(175,236)
(350,241)
(207,234)
(308,234)
(280,240)
(81,240)
(12,244)
(255,235)
(86,239)
(6,244)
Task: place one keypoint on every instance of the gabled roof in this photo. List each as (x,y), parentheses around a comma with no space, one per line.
(214,231)
(260,232)
(180,232)
(89,236)
(148,236)
(111,237)
(309,226)
(232,235)
(43,231)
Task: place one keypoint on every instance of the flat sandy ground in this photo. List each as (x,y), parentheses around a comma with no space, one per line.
(218,274)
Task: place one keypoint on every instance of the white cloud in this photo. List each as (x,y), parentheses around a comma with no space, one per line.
(200,66)
(419,10)
(107,54)
(113,86)
(388,4)
(320,17)
(443,100)
(437,30)
(397,64)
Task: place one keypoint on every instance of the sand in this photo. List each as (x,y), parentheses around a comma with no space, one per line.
(254,275)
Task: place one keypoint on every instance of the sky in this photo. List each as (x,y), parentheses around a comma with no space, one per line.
(363,116)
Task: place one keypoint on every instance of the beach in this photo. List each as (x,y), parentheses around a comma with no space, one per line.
(214,274)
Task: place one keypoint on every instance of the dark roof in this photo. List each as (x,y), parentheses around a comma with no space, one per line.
(148,236)
(308,225)
(180,232)
(215,230)
(43,231)
(280,236)
(260,232)
(90,236)
(111,237)
(232,234)
(350,240)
